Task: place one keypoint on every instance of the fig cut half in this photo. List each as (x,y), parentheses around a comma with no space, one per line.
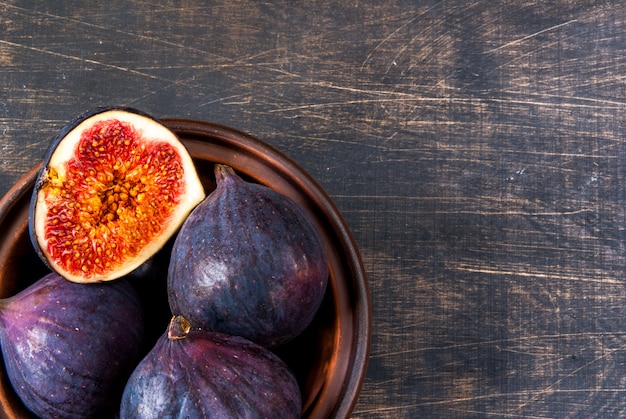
(115,186)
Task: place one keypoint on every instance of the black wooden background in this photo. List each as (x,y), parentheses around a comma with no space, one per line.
(476,149)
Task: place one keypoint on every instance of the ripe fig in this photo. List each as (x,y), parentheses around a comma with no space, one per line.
(248,261)
(115,185)
(69,348)
(202,374)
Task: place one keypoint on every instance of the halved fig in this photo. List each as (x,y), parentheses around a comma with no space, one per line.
(115,185)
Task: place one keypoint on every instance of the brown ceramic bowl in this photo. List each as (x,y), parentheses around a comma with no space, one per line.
(330,357)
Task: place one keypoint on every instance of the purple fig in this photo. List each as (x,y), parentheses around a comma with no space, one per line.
(201,374)
(69,348)
(248,261)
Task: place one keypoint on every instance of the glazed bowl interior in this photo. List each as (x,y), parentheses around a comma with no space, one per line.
(329,359)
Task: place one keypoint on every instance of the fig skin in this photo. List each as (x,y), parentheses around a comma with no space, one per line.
(248,261)
(69,348)
(202,374)
(115,186)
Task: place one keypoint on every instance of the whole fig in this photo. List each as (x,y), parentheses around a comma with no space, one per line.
(248,261)
(201,374)
(69,348)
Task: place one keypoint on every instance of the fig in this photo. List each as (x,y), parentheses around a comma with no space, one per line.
(202,374)
(248,261)
(69,348)
(115,185)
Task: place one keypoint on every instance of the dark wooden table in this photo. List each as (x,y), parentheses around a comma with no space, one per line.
(476,149)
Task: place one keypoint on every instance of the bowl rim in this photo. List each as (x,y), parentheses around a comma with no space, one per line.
(245,147)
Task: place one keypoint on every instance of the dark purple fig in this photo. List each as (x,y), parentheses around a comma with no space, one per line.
(202,374)
(115,185)
(248,261)
(69,348)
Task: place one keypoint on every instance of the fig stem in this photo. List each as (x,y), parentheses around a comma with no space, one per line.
(179,328)
(223,172)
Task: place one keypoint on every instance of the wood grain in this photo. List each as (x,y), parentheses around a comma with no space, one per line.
(475,148)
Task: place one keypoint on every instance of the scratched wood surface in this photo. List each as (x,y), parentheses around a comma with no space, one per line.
(474,147)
